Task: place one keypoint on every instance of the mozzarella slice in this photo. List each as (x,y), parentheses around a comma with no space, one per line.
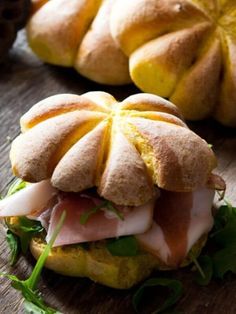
(101,225)
(31,199)
(180,219)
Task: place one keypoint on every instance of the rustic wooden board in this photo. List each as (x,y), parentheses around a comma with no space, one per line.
(24,80)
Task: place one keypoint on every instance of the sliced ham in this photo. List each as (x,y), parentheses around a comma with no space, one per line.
(201,215)
(169,232)
(154,242)
(28,201)
(101,225)
(180,219)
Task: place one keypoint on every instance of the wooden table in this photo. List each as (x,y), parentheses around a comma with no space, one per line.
(24,80)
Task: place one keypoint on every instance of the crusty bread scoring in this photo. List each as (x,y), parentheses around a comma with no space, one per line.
(123,149)
(184,50)
(77,33)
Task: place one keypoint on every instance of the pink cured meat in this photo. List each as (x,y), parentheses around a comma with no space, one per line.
(101,225)
(180,219)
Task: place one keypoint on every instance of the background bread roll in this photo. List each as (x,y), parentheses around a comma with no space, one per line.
(184,50)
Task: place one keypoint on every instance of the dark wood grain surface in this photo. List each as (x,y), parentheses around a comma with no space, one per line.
(24,80)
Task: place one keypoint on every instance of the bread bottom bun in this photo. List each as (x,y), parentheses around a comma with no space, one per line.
(96,263)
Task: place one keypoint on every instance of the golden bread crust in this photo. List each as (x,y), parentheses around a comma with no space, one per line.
(96,263)
(145,20)
(56,105)
(174,166)
(99,58)
(38,150)
(124,149)
(84,159)
(125,174)
(184,50)
(77,33)
(55,37)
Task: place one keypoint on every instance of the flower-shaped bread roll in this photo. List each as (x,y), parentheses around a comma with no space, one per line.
(184,50)
(122,148)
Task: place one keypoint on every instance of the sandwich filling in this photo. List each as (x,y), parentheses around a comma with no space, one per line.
(167,226)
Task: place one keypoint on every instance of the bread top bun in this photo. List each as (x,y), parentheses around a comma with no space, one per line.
(182,49)
(124,149)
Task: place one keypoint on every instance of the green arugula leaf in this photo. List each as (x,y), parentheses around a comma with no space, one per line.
(225,226)
(197,265)
(220,219)
(223,215)
(29,226)
(86,215)
(123,246)
(106,204)
(25,229)
(29,295)
(111,208)
(225,261)
(31,308)
(32,281)
(206,265)
(28,286)
(16,186)
(175,287)
(224,238)
(25,242)
(32,297)
(13,242)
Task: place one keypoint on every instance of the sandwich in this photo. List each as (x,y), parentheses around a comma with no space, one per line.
(135,183)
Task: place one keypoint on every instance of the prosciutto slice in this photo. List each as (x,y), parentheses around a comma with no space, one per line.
(169,231)
(101,225)
(28,201)
(180,219)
